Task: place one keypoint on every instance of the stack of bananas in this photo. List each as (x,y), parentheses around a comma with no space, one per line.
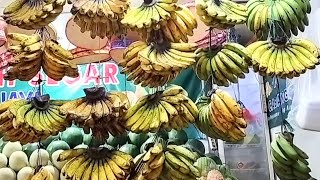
(101,18)
(156,64)
(152,162)
(168,109)
(99,111)
(224,64)
(29,121)
(43,174)
(32,14)
(221,117)
(284,59)
(57,62)
(95,164)
(221,14)
(27,60)
(179,163)
(289,15)
(289,161)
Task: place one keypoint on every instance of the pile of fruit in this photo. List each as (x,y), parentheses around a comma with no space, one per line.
(285,15)
(30,54)
(168,109)
(31,120)
(284,59)
(221,117)
(100,18)
(289,161)
(224,64)
(221,14)
(100,111)
(30,14)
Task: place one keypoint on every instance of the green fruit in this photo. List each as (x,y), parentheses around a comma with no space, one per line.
(205,164)
(57,145)
(87,138)
(73,136)
(117,140)
(196,145)
(214,157)
(46,142)
(162,134)
(29,148)
(180,136)
(137,139)
(131,149)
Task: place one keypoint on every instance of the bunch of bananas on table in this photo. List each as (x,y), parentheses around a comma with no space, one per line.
(289,161)
(291,16)
(42,174)
(168,109)
(31,120)
(221,117)
(221,14)
(32,14)
(284,59)
(101,18)
(156,64)
(57,61)
(99,163)
(224,64)
(28,55)
(99,111)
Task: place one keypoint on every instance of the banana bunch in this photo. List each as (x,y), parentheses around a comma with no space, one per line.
(284,59)
(43,174)
(291,16)
(168,109)
(150,14)
(99,111)
(179,163)
(224,64)
(32,14)
(156,64)
(98,164)
(221,117)
(30,121)
(178,27)
(101,18)
(152,162)
(289,161)
(57,61)
(221,14)
(27,60)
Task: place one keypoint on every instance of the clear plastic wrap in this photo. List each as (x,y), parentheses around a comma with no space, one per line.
(304,90)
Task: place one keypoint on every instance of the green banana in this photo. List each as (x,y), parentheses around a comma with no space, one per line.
(287,147)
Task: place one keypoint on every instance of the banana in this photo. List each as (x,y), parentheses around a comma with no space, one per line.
(177,163)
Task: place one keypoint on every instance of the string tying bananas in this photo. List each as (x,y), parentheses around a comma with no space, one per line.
(291,16)
(221,14)
(289,161)
(168,109)
(224,64)
(99,111)
(220,117)
(100,17)
(32,14)
(150,14)
(42,174)
(284,59)
(99,163)
(156,64)
(30,121)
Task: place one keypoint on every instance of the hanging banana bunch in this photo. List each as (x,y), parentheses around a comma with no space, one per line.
(224,63)
(95,163)
(32,120)
(157,63)
(100,17)
(221,117)
(221,14)
(99,111)
(32,14)
(291,16)
(285,59)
